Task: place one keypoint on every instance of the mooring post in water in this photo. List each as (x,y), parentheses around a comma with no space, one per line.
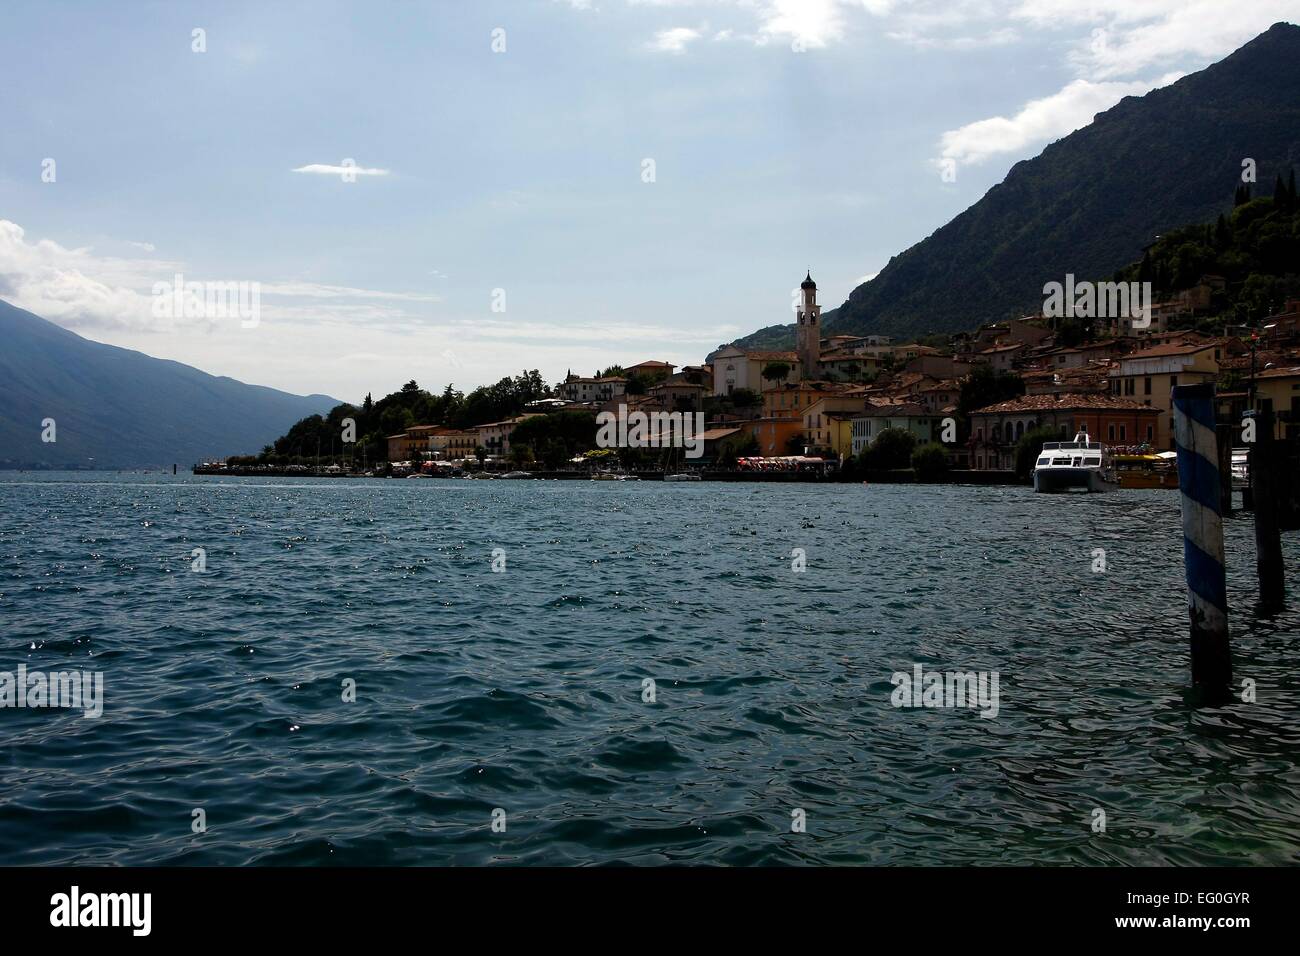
(1266,465)
(1198,484)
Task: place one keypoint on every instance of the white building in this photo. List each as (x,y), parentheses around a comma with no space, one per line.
(907,416)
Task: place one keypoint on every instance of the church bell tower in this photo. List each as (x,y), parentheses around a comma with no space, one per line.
(808,335)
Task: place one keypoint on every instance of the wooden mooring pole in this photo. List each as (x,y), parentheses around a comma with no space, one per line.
(1198,483)
(1267,465)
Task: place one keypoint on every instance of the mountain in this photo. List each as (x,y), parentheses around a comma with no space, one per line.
(115,408)
(1090,202)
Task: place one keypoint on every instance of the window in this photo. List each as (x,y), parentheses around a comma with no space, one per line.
(1151,432)
(1122,432)
(1110,432)
(1146,386)
(1173,380)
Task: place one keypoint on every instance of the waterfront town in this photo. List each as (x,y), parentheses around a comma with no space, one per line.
(969,400)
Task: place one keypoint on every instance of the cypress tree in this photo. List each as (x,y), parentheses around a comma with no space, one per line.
(1222,235)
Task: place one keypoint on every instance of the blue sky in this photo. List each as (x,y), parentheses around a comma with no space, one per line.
(784,135)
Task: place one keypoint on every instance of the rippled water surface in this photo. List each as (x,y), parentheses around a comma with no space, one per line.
(523,690)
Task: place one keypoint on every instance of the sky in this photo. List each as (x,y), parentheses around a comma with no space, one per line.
(453,192)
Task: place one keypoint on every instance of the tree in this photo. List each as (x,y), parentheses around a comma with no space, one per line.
(985,387)
(557,436)
(930,461)
(1030,447)
(737,446)
(892,448)
(776,371)
(745,398)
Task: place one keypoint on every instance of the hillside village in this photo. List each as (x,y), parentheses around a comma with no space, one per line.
(833,397)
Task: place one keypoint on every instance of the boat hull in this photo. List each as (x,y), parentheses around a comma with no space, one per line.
(1052,480)
(1142,479)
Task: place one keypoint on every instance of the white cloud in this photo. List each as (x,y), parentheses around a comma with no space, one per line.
(1116,40)
(313,290)
(72,287)
(673,40)
(323,169)
(316,337)
(811,23)
(77,289)
(1128,37)
(1040,120)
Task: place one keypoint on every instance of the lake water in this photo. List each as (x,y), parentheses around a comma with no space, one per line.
(522,691)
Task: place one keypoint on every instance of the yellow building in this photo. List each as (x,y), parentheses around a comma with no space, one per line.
(789,401)
(448,444)
(841,433)
(824,423)
(1282,387)
(1148,376)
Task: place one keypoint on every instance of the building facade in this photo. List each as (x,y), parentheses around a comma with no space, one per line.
(1148,377)
(997,429)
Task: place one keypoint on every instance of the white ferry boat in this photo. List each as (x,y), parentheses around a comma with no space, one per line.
(1080,465)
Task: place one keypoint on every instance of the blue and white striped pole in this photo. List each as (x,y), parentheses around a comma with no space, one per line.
(1198,484)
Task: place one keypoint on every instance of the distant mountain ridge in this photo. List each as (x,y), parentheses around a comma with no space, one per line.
(1091,201)
(116,408)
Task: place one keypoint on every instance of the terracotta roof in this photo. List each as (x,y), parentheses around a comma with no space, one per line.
(1278,372)
(1162,350)
(1068,401)
(713,434)
(899,409)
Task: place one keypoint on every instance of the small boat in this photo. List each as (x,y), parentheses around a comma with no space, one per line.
(1146,470)
(613,476)
(518,474)
(681,476)
(1081,465)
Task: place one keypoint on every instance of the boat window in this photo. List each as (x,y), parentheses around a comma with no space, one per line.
(1043,460)
(1076,461)
(1092,461)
